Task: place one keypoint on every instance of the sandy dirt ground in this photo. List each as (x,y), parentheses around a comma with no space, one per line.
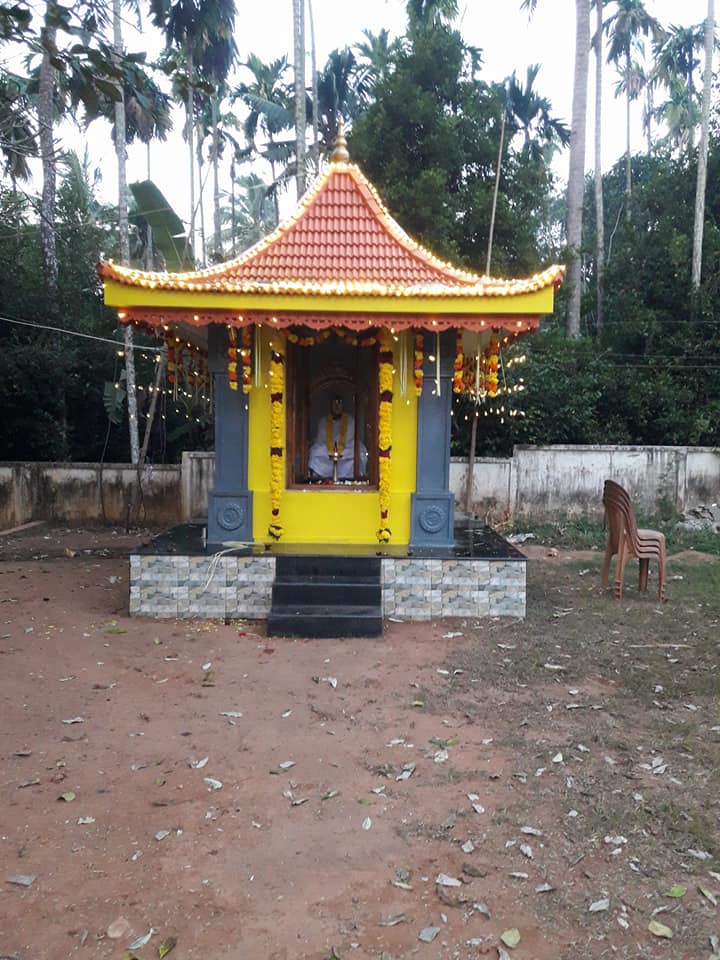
(436,793)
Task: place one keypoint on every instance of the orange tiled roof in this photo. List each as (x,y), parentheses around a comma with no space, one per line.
(341,240)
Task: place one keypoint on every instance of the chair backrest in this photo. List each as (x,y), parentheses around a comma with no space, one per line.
(619,514)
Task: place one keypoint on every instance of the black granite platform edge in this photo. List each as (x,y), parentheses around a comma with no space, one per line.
(473,541)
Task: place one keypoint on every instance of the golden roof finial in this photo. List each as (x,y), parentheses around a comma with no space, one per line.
(340,152)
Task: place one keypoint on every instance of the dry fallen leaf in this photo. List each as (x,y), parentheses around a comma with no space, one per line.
(708,894)
(660,930)
(599,905)
(445,881)
(141,941)
(118,928)
(677,890)
(166,946)
(22,880)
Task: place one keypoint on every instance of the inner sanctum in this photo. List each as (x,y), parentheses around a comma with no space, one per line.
(332,413)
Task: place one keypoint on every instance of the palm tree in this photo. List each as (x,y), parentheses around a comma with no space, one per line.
(529,114)
(431,13)
(14,20)
(300,112)
(524,111)
(597,180)
(680,114)
(337,94)
(268,97)
(315,149)
(194,27)
(251,216)
(375,56)
(46,119)
(17,137)
(216,62)
(703,148)
(124,236)
(576,173)
(631,81)
(624,28)
(676,61)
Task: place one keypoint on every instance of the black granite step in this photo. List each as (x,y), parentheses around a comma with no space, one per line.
(322,621)
(326,592)
(327,567)
(326,596)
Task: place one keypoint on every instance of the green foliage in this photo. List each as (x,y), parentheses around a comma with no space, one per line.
(114,395)
(168,232)
(651,376)
(429,142)
(57,391)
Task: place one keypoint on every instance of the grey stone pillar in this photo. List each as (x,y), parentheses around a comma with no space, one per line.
(230,501)
(433,504)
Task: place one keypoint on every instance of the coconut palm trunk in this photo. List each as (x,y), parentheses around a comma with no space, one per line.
(299,56)
(703,148)
(628,155)
(313,68)
(123,230)
(576,174)
(190,135)
(45,110)
(217,236)
(599,204)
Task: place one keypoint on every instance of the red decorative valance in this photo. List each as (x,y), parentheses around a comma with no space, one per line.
(512,323)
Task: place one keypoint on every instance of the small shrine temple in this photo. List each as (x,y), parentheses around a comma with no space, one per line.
(334,346)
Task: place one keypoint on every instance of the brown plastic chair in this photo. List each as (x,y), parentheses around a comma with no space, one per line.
(629,543)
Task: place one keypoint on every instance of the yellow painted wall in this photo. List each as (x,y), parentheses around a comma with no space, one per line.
(315,515)
(534,303)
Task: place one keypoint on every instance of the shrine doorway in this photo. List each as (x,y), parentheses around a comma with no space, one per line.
(317,377)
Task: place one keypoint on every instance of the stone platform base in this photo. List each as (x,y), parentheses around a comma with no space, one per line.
(414,587)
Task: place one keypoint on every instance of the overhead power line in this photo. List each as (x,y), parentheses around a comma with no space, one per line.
(76,333)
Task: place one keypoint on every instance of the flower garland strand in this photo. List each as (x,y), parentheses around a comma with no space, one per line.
(418,366)
(277,421)
(346,336)
(492,361)
(459,363)
(385,383)
(246,357)
(232,358)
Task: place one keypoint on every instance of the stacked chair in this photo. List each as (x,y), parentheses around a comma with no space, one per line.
(629,543)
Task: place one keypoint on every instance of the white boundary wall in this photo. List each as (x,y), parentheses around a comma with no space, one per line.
(544,483)
(535,484)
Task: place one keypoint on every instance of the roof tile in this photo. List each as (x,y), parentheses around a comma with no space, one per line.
(340,232)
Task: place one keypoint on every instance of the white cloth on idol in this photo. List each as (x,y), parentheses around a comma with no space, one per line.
(321,463)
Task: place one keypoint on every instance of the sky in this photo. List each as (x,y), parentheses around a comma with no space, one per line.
(508,38)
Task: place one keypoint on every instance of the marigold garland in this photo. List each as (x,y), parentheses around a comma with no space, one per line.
(491,364)
(308,341)
(232,358)
(459,362)
(347,336)
(246,357)
(277,422)
(418,366)
(385,383)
